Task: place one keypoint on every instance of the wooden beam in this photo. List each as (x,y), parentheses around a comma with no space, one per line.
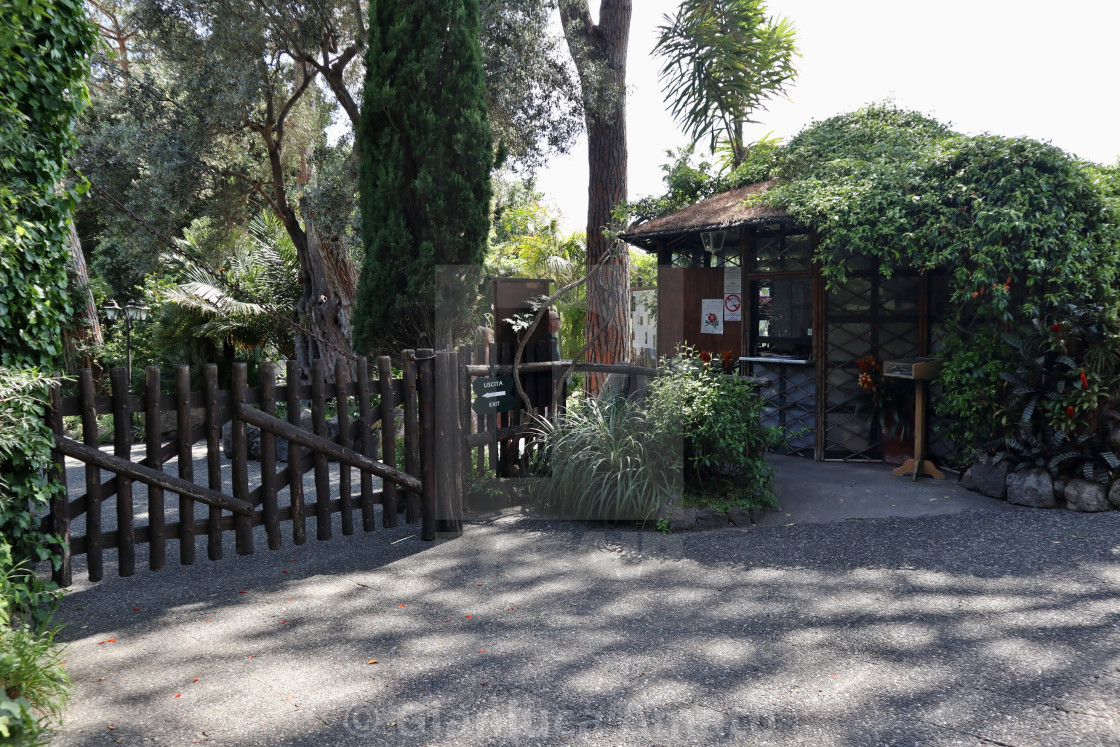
(325,446)
(149,476)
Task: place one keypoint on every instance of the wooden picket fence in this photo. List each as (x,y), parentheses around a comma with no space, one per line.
(424,400)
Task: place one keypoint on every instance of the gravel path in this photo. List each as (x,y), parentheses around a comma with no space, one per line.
(979,628)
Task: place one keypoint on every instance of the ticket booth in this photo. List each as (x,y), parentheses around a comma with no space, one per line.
(751,268)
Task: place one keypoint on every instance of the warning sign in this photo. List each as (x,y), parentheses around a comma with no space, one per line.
(733,307)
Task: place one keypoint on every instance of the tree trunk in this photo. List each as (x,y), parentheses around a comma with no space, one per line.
(330,282)
(85,328)
(599,52)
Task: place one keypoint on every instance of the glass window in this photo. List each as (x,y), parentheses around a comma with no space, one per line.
(783,308)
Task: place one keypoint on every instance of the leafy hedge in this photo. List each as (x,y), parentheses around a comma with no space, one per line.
(44,61)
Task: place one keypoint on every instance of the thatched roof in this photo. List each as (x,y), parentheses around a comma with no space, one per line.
(723,211)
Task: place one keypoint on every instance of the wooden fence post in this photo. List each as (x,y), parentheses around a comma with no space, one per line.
(388,440)
(342,404)
(186,461)
(426,385)
(365,421)
(449,502)
(153,450)
(94,558)
(242,526)
(295,457)
(213,458)
(60,515)
(269,507)
(412,510)
(322,468)
(122,447)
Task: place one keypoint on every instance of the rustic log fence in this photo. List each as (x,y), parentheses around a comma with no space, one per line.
(426,396)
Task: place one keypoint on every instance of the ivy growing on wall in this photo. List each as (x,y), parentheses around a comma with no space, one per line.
(44,60)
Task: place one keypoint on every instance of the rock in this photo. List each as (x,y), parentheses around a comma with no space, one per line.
(1114,495)
(1031,487)
(990,479)
(1060,485)
(740,517)
(682,519)
(966,479)
(1114,429)
(252,438)
(709,518)
(1083,495)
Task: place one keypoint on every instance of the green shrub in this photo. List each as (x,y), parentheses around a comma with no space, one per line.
(720,419)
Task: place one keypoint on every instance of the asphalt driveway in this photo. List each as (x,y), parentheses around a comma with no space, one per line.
(970,628)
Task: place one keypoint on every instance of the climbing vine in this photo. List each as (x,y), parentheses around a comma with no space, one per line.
(45,47)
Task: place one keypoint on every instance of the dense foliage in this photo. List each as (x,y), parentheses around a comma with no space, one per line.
(44,60)
(624,459)
(719,418)
(425,168)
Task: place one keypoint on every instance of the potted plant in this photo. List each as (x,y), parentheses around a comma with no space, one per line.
(887,406)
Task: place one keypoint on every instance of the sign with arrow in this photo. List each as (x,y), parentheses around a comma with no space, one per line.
(495,394)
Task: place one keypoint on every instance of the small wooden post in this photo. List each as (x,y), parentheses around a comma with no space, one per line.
(342,400)
(425,368)
(213,458)
(492,421)
(365,416)
(388,440)
(464,385)
(60,517)
(122,447)
(322,469)
(186,461)
(153,450)
(295,457)
(269,507)
(449,501)
(242,525)
(94,558)
(411,433)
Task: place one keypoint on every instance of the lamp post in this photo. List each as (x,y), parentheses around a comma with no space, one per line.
(134,312)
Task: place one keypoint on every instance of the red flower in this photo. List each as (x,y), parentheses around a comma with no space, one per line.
(706,356)
(1056,327)
(1069,412)
(1084,381)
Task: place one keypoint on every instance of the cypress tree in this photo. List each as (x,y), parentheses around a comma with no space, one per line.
(424,177)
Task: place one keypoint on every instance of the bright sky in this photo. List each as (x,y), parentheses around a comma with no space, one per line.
(1006,67)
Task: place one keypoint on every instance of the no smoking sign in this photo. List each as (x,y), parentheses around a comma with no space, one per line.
(732,307)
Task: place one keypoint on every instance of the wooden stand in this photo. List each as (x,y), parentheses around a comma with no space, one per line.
(919,465)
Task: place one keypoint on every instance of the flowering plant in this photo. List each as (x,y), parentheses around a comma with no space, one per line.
(884,402)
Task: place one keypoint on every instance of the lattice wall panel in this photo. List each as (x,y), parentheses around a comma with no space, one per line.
(867,315)
(789,392)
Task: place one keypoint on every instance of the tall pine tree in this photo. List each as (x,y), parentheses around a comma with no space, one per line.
(426,156)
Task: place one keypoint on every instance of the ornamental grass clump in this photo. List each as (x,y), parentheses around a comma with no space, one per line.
(604,460)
